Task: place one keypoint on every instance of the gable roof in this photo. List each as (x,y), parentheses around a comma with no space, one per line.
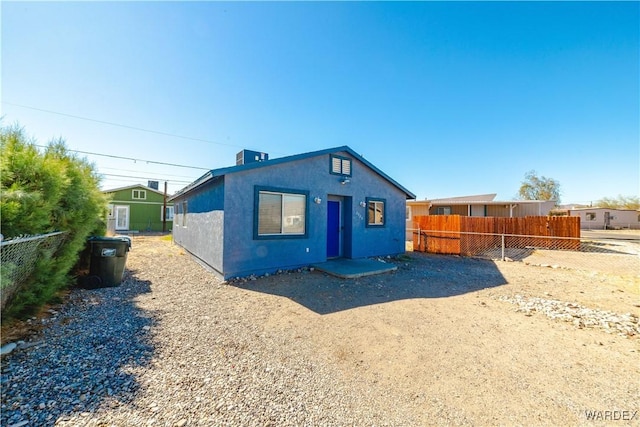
(132,187)
(215,173)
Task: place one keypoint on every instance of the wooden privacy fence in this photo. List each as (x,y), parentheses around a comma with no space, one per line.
(464,235)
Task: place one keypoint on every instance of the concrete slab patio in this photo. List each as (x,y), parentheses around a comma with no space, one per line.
(354,268)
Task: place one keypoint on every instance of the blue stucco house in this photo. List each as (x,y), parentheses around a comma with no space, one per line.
(263,215)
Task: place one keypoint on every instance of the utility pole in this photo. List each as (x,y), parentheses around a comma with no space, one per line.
(164,209)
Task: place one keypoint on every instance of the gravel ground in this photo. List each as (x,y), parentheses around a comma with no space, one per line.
(443,341)
(174,346)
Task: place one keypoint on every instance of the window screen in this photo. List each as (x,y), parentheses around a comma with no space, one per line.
(270,213)
(281,213)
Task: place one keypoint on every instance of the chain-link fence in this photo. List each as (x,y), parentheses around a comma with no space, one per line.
(19,257)
(610,256)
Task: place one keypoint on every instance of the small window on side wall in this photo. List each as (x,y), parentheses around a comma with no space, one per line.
(443,210)
(590,216)
(375,212)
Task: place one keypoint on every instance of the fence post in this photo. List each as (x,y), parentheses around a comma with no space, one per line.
(418,237)
(502,236)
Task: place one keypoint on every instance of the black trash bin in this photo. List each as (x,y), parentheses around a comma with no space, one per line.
(108,258)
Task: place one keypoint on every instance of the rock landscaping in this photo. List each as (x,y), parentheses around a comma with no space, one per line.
(626,325)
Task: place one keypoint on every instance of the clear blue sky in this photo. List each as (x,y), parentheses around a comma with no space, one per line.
(447,98)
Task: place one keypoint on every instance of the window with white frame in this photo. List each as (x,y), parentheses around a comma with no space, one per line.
(590,216)
(408,213)
(280,213)
(375,214)
(340,165)
(168,213)
(139,194)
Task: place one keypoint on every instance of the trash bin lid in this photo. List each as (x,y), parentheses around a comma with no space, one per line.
(125,239)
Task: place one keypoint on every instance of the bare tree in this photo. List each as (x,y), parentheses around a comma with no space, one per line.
(536,187)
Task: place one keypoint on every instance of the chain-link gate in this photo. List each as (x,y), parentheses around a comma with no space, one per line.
(18,258)
(603,255)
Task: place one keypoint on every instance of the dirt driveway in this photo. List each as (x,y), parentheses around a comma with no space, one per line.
(443,336)
(444,340)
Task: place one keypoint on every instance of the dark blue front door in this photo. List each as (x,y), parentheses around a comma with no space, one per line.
(333,229)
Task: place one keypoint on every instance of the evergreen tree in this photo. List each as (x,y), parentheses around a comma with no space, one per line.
(42,192)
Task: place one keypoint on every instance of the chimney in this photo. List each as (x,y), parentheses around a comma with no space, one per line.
(248,156)
(153,184)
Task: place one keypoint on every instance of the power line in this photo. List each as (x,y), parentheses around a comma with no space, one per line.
(143,178)
(128,182)
(131,158)
(130,170)
(134,181)
(104,122)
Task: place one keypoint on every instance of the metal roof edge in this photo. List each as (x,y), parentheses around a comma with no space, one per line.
(407,193)
(190,187)
(478,202)
(489,197)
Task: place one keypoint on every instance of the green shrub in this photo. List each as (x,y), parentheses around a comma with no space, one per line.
(42,192)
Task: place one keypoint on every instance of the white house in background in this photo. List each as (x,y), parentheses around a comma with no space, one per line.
(479,205)
(482,205)
(606,218)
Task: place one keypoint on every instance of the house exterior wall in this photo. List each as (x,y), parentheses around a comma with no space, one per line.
(418,209)
(499,211)
(144,215)
(594,218)
(203,232)
(532,209)
(244,255)
(414,209)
